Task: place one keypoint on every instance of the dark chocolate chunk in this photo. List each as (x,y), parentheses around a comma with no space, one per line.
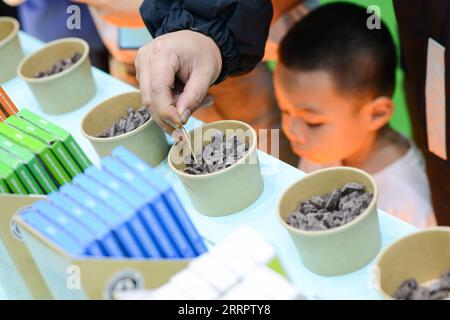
(308,208)
(333,200)
(410,290)
(317,202)
(440,294)
(352,186)
(218,154)
(445,280)
(406,289)
(333,209)
(129,122)
(60,66)
(421,293)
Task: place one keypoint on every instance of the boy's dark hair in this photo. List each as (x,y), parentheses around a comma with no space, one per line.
(335,38)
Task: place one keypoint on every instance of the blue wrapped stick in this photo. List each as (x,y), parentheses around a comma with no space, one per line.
(142,205)
(143,188)
(169,196)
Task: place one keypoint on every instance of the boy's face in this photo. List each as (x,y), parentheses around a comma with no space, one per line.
(322,125)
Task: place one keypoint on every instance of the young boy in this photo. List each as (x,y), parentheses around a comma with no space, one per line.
(334,84)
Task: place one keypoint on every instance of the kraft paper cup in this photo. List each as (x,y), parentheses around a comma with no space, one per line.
(66,91)
(424,255)
(10,50)
(148,141)
(229,190)
(339,250)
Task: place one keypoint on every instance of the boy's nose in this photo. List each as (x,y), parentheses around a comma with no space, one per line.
(294,130)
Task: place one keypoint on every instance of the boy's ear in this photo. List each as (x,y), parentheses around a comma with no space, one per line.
(378,112)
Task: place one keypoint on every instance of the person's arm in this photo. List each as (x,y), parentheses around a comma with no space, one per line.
(239,27)
(199,43)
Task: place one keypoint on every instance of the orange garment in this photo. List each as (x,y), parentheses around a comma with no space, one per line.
(121,61)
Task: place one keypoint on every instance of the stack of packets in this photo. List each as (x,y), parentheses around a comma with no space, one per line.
(36,156)
(124,209)
(235,269)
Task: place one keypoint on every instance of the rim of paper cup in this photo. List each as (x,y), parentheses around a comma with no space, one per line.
(319,233)
(13,33)
(394,244)
(49,45)
(115,138)
(251,148)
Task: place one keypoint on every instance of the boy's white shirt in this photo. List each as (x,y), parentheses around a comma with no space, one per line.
(403,189)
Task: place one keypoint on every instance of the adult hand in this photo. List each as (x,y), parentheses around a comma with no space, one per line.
(187,56)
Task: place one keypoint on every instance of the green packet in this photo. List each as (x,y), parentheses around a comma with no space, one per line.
(38,148)
(21,170)
(32,162)
(58,133)
(56,146)
(3,187)
(11,180)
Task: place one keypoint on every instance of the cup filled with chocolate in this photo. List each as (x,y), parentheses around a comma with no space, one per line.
(10,49)
(60,75)
(219,167)
(416,267)
(123,121)
(331,216)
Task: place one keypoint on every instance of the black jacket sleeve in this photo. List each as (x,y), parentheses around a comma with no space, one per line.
(239,27)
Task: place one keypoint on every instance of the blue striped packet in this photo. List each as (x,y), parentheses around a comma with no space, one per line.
(143,188)
(146,212)
(66,224)
(114,222)
(52,232)
(103,234)
(143,245)
(160,183)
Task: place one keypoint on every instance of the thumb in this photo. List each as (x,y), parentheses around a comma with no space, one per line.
(193,94)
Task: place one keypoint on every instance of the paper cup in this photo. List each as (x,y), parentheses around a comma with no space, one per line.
(65,91)
(424,256)
(10,50)
(339,250)
(229,190)
(148,141)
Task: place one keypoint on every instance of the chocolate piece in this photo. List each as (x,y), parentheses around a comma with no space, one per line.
(317,202)
(217,155)
(328,219)
(352,186)
(445,280)
(308,208)
(217,139)
(357,209)
(76,57)
(334,200)
(406,289)
(60,66)
(410,290)
(291,220)
(131,121)
(440,294)
(421,293)
(333,209)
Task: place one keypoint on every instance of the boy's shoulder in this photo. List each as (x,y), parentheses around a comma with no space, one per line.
(404,190)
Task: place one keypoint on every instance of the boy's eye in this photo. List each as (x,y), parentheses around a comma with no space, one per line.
(309,124)
(314,125)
